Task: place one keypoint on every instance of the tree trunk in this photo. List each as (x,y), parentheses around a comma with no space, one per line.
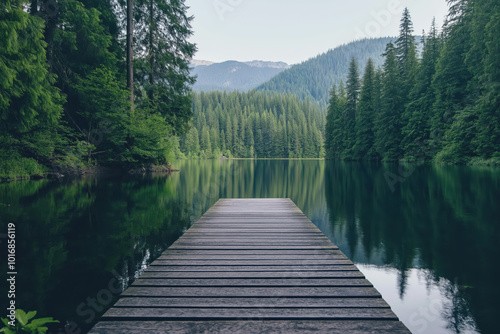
(151,51)
(130,50)
(34,7)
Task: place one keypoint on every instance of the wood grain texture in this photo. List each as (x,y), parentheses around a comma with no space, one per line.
(246,326)
(251,266)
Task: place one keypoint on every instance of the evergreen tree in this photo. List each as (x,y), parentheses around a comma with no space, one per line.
(164,55)
(407,55)
(365,136)
(257,125)
(352,91)
(30,106)
(205,144)
(484,60)
(334,143)
(388,136)
(452,95)
(416,131)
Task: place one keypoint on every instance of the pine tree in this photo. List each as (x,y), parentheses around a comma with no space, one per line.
(353,88)
(334,143)
(365,136)
(205,143)
(416,132)
(407,55)
(388,136)
(486,68)
(162,33)
(451,86)
(30,105)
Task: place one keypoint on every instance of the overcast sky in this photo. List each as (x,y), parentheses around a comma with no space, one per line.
(296,30)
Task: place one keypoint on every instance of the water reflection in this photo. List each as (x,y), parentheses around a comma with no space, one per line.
(80,242)
(440,225)
(441,219)
(429,245)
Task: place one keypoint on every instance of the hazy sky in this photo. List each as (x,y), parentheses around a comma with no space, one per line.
(296,30)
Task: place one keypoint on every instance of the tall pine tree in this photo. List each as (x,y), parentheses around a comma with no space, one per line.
(416,131)
(365,137)
(388,136)
(30,106)
(353,88)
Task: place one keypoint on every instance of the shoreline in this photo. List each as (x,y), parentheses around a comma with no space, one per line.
(63,173)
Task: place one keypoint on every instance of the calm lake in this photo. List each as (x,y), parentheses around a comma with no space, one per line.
(428,238)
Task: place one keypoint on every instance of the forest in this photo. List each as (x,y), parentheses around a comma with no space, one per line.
(87,83)
(441,106)
(92,83)
(313,78)
(254,125)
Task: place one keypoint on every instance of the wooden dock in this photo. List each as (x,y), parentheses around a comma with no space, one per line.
(251,266)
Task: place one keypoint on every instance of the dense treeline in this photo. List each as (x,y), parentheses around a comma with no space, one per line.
(64,96)
(443,106)
(254,125)
(313,78)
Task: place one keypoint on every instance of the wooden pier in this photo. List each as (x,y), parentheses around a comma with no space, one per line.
(251,266)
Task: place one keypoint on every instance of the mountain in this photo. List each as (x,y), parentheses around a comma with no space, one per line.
(195,62)
(234,75)
(313,78)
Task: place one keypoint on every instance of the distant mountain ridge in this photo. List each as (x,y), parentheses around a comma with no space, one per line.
(233,75)
(314,78)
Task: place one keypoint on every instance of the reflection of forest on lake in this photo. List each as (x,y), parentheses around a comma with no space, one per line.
(75,236)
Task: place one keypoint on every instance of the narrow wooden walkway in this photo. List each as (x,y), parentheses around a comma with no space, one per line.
(251,266)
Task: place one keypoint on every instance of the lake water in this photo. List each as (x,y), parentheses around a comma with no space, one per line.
(428,237)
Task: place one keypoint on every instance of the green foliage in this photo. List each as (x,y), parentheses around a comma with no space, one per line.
(30,106)
(388,136)
(443,107)
(366,112)
(62,85)
(26,324)
(313,78)
(417,128)
(148,138)
(254,125)
(353,88)
(163,58)
(13,165)
(103,113)
(334,124)
(27,98)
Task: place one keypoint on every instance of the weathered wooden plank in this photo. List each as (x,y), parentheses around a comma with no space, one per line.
(250,292)
(256,234)
(240,257)
(318,242)
(282,269)
(249,220)
(245,326)
(253,274)
(263,230)
(250,313)
(249,229)
(253,282)
(251,259)
(253,302)
(242,262)
(265,247)
(298,242)
(236,252)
